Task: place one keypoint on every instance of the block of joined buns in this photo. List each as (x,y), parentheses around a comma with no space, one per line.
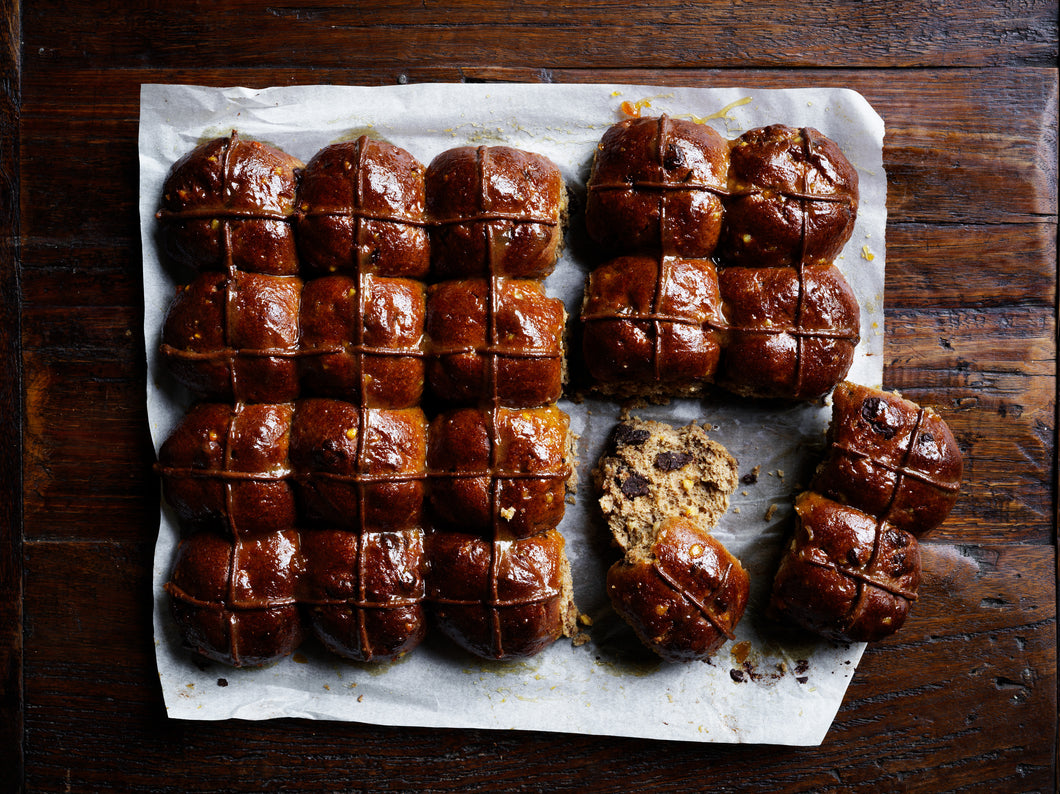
(661,490)
(891,472)
(724,271)
(330,307)
(500,450)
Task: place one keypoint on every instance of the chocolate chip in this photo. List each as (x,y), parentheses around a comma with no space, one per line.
(874,411)
(751,477)
(737,675)
(629,436)
(671,461)
(634,485)
(801,666)
(674,157)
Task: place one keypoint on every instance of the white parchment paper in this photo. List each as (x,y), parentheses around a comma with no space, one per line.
(769,685)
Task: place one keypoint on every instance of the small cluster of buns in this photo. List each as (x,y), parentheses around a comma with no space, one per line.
(661,491)
(724,271)
(725,275)
(376,364)
(891,473)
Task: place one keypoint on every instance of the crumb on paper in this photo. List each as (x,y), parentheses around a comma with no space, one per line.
(751,477)
(866,254)
(771,512)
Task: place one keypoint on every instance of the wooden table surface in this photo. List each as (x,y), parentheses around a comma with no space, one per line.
(963,698)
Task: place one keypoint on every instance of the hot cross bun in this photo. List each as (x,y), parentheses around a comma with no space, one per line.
(494,211)
(498,338)
(235,601)
(661,490)
(362,209)
(657,184)
(230,203)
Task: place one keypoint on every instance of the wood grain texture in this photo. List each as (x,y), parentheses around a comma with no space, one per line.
(964,698)
(593,35)
(11,700)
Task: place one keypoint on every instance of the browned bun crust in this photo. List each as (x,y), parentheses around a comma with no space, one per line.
(793,198)
(494,211)
(361,209)
(791,331)
(495,340)
(234,601)
(505,599)
(657,184)
(846,575)
(363,592)
(890,458)
(362,340)
(682,594)
(357,468)
(656,321)
(228,470)
(229,204)
(500,474)
(235,336)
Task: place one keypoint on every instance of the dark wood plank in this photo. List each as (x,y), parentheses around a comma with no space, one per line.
(75,486)
(582,34)
(941,266)
(962,146)
(11,645)
(977,653)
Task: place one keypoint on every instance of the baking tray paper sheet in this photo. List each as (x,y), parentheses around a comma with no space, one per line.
(770,684)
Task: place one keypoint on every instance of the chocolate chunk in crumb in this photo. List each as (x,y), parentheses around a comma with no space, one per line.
(635,485)
(628,436)
(672,461)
